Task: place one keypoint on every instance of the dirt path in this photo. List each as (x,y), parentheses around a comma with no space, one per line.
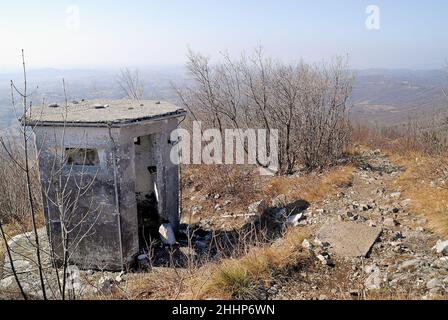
(399,264)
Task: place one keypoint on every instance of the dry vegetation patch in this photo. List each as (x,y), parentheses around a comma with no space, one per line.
(242,278)
(425,182)
(209,185)
(421,149)
(233,278)
(312,187)
(388,294)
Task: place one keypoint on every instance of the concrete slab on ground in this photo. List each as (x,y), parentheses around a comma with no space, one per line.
(349,239)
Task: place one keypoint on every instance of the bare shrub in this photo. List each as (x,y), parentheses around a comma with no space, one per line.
(306,103)
(419,134)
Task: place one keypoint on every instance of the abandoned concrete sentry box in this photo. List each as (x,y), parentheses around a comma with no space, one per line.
(106,175)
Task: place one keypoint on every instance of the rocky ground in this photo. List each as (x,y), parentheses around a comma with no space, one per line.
(366,243)
(404,261)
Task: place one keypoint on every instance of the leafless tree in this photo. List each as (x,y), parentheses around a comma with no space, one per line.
(129,81)
(308,104)
(25,167)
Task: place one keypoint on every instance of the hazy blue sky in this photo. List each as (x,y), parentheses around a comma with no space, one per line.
(412,34)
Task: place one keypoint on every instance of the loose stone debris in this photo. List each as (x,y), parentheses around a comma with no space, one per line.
(258,207)
(375,242)
(293,220)
(441,247)
(374,280)
(167,234)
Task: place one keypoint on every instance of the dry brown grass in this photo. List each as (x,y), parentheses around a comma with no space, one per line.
(312,187)
(223,179)
(242,185)
(418,135)
(424,156)
(237,184)
(159,284)
(231,278)
(387,294)
(241,278)
(420,184)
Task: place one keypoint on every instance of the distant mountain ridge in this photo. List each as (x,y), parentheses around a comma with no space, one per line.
(380,96)
(391,96)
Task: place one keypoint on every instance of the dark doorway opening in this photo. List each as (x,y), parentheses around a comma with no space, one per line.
(146,189)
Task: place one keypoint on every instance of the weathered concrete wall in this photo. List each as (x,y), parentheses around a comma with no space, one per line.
(127,202)
(104,222)
(168,177)
(94,241)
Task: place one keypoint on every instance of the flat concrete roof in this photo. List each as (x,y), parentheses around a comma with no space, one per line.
(101,113)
